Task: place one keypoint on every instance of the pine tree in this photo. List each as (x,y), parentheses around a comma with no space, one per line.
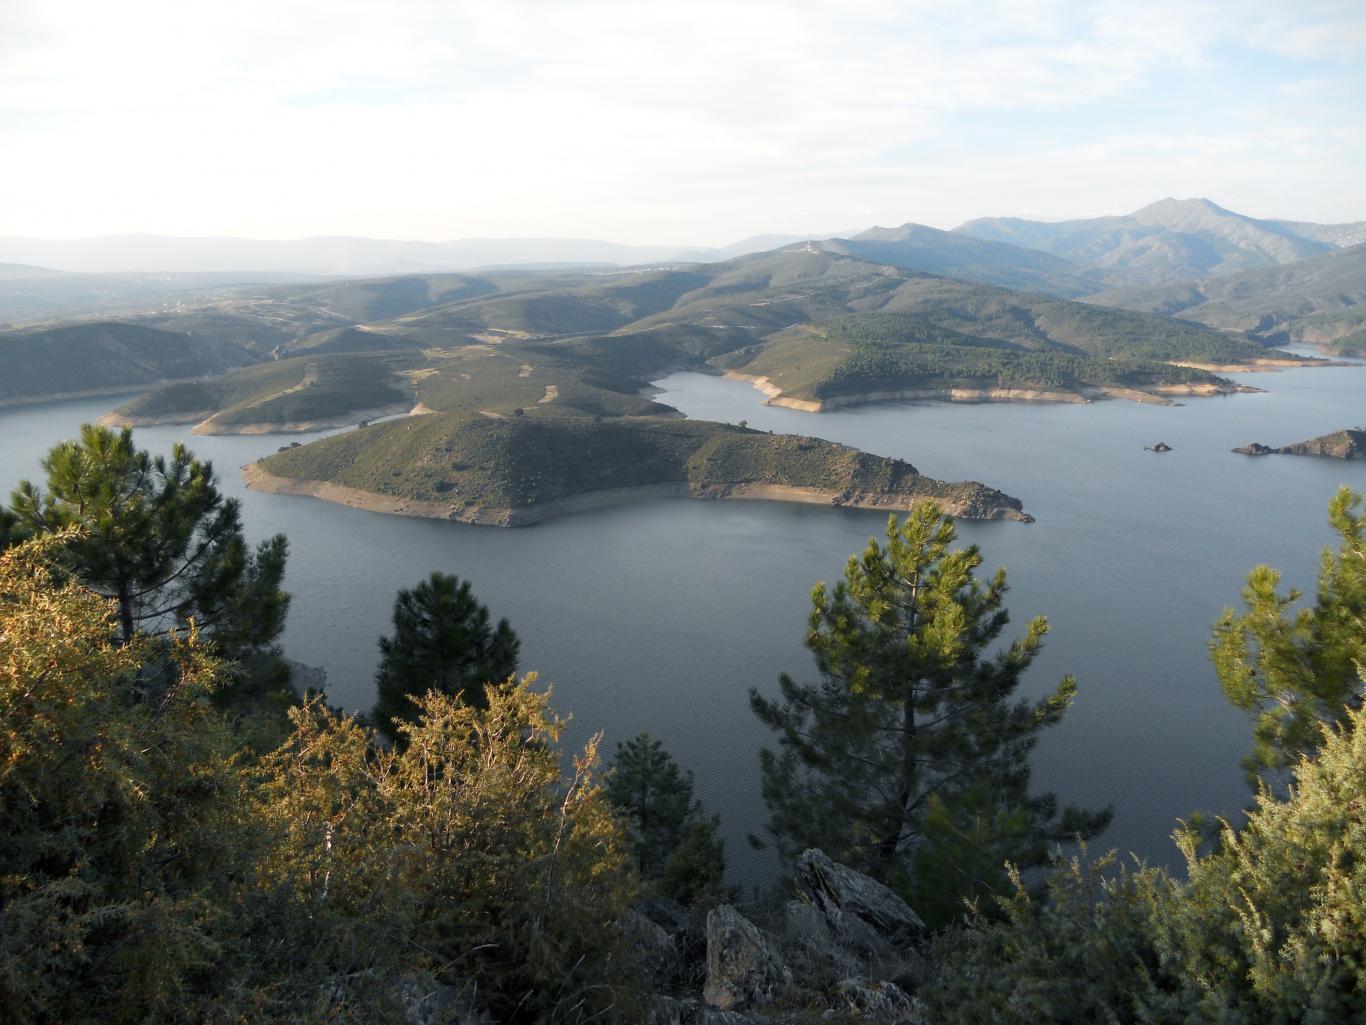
(911,746)
(157,537)
(674,841)
(442,641)
(647,785)
(1295,670)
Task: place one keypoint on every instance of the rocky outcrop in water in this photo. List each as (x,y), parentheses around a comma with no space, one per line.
(1345,444)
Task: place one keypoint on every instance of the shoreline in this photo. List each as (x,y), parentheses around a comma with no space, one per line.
(1269,365)
(1158,396)
(260,479)
(203,421)
(93,393)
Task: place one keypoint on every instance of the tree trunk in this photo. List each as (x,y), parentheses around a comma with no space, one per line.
(126,612)
(888,846)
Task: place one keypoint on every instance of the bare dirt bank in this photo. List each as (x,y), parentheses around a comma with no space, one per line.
(1157,396)
(118,420)
(301,426)
(1268,365)
(203,421)
(89,393)
(261,480)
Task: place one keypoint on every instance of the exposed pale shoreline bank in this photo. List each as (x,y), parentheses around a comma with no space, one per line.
(1263,366)
(203,421)
(88,393)
(1158,396)
(501,516)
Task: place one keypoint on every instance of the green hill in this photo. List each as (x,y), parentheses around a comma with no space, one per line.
(293,394)
(984,261)
(552,306)
(371,299)
(104,356)
(588,342)
(1319,301)
(877,355)
(520,469)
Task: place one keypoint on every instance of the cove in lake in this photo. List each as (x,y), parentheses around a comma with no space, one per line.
(661,615)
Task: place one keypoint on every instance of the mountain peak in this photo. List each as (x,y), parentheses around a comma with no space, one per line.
(905,231)
(1171,207)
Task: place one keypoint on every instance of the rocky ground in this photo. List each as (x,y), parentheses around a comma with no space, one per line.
(846,949)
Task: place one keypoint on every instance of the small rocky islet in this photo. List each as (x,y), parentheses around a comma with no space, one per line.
(1349,443)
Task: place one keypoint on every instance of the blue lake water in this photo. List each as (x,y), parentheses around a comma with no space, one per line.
(661,615)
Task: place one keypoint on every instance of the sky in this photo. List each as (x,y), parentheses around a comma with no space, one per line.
(667,122)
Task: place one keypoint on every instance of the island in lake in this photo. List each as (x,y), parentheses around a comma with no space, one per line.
(512,471)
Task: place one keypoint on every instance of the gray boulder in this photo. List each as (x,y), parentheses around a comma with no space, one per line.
(427,1002)
(664,1011)
(859,910)
(667,1011)
(714,1016)
(654,950)
(744,968)
(811,949)
(880,1002)
(421,998)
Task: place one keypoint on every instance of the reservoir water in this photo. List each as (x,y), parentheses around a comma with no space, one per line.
(661,615)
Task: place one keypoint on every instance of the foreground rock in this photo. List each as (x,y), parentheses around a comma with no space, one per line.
(879,1001)
(1345,444)
(847,949)
(656,951)
(744,967)
(861,912)
(418,996)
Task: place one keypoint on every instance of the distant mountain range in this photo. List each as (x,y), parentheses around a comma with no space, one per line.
(1279,280)
(343,256)
(1171,240)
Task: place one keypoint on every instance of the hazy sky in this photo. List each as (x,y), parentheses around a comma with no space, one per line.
(655,121)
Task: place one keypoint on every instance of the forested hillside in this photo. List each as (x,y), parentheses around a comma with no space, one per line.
(1316,301)
(105,356)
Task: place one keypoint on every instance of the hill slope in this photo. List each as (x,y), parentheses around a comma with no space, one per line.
(104,356)
(520,470)
(944,253)
(300,394)
(1320,301)
(898,356)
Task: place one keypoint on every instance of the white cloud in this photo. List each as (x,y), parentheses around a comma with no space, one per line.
(643,120)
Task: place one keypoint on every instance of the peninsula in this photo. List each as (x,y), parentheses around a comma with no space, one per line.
(305,393)
(513,471)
